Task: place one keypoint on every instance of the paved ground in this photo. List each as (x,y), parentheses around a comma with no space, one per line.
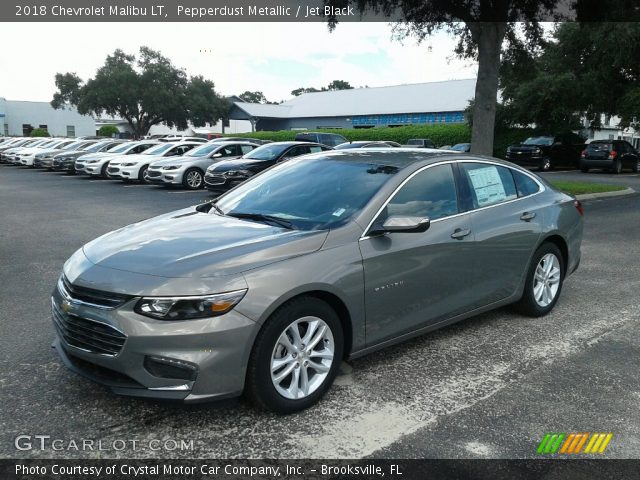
(491,386)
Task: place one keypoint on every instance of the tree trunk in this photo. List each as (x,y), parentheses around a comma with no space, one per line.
(488,36)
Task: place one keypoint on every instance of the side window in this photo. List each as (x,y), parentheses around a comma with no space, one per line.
(296,151)
(315,149)
(246,149)
(431,193)
(229,151)
(489,184)
(525,184)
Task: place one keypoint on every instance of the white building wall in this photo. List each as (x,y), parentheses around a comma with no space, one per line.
(17,113)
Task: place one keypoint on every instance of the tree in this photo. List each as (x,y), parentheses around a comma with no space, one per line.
(581,73)
(482,27)
(108,131)
(39,132)
(253,97)
(144,92)
(299,91)
(339,85)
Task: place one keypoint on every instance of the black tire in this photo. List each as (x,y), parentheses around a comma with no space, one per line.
(193,171)
(259,387)
(103,171)
(584,168)
(142,172)
(545,165)
(636,166)
(527,305)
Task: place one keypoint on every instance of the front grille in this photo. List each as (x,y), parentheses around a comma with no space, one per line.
(98,298)
(113,170)
(87,334)
(212,179)
(153,173)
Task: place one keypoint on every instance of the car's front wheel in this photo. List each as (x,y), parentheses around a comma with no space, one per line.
(193,179)
(296,356)
(545,164)
(544,282)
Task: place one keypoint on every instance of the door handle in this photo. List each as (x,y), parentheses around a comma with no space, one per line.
(527,216)
(459,233)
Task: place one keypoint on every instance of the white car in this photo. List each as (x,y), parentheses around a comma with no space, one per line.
(13,155)
(96,164)
(134,167)
(189,169)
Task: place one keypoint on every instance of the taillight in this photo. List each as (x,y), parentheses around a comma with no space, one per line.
(578,205)
(583,154)
(612,154)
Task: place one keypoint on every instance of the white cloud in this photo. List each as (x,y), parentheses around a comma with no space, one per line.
(234,55)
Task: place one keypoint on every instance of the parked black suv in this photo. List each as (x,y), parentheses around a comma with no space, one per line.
(330,139)
(223,176)
(610,155)
(547,152)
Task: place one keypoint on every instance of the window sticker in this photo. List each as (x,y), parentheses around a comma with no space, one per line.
(487,184)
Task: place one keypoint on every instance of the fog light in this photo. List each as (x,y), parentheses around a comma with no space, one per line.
(170,368)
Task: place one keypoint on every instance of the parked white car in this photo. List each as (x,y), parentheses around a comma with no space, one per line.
(14,155)
(189,169)
(96,164)
(134,167)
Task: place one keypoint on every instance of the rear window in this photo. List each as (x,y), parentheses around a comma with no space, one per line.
(600,146)
(524,184)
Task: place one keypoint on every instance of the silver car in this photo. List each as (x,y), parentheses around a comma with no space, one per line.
(323,257)
(189,169)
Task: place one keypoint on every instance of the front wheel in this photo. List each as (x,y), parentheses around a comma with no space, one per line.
(296,356)
(193,179)
(142,174)
(544,282)
(545,164)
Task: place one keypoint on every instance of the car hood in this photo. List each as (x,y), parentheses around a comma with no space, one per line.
(241,164)
(96,155)
(188,243)
(137,157)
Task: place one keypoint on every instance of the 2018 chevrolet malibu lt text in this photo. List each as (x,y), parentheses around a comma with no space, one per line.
(267,289)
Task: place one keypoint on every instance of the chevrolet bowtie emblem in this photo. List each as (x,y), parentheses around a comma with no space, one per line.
(65,306)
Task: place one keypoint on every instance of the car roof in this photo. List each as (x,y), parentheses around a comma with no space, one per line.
(295,142)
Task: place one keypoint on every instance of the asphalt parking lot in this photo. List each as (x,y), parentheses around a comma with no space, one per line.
(491,386)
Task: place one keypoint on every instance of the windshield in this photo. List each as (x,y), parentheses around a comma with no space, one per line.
(202,151)
(121,148)
(267,152)
(73,146)
(159,149)
(346,146)
(96,146)
(460,147)
(600,146)
(538,141)
(312,193)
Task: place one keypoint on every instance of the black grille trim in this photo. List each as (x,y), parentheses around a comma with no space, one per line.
(90,296)
(87,335)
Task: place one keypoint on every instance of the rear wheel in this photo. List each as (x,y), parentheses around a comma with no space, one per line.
(193,179)
(544,282)
(296,356)
(584,168)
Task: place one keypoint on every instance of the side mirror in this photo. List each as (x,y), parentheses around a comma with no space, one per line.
(402,224)
(216,155)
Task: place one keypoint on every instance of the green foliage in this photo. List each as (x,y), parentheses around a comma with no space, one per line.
(108,131)
(335,85)
(440,134)
(507,137)
(145,91)
(39,132)
(339,85)
(253,97)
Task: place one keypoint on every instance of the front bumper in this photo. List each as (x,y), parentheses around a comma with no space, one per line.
(524,158)
(218,349)
(169,177)
(220,184)
(114,171)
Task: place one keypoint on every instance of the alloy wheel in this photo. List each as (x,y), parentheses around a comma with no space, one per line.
(547,280)
(194,179)
(302,358)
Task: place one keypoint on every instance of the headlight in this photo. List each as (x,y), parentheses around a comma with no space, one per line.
(238,173)
(129,164)
(171,167)
(186,308)
(508,149)
(536,150)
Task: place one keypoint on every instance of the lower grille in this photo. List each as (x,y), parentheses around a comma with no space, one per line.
(87,334)
(214,179)
(153,173)
(113,170)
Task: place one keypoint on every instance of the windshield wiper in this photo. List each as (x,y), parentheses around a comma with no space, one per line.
(217,208)
(265,218)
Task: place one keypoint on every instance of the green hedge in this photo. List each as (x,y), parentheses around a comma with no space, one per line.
(440,134)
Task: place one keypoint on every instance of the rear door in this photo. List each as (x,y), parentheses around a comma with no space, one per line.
(507,224)
(416,279)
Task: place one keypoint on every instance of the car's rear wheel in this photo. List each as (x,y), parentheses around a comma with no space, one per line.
(545,164)
(296,356)
(584,168)
(544,282)
(193,179)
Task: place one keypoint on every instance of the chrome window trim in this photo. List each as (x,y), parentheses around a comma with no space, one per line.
(541,186)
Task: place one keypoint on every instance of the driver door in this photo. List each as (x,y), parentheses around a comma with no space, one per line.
(416,279)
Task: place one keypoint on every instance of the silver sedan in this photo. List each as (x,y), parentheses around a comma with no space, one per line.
(188,170)
(319,258)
